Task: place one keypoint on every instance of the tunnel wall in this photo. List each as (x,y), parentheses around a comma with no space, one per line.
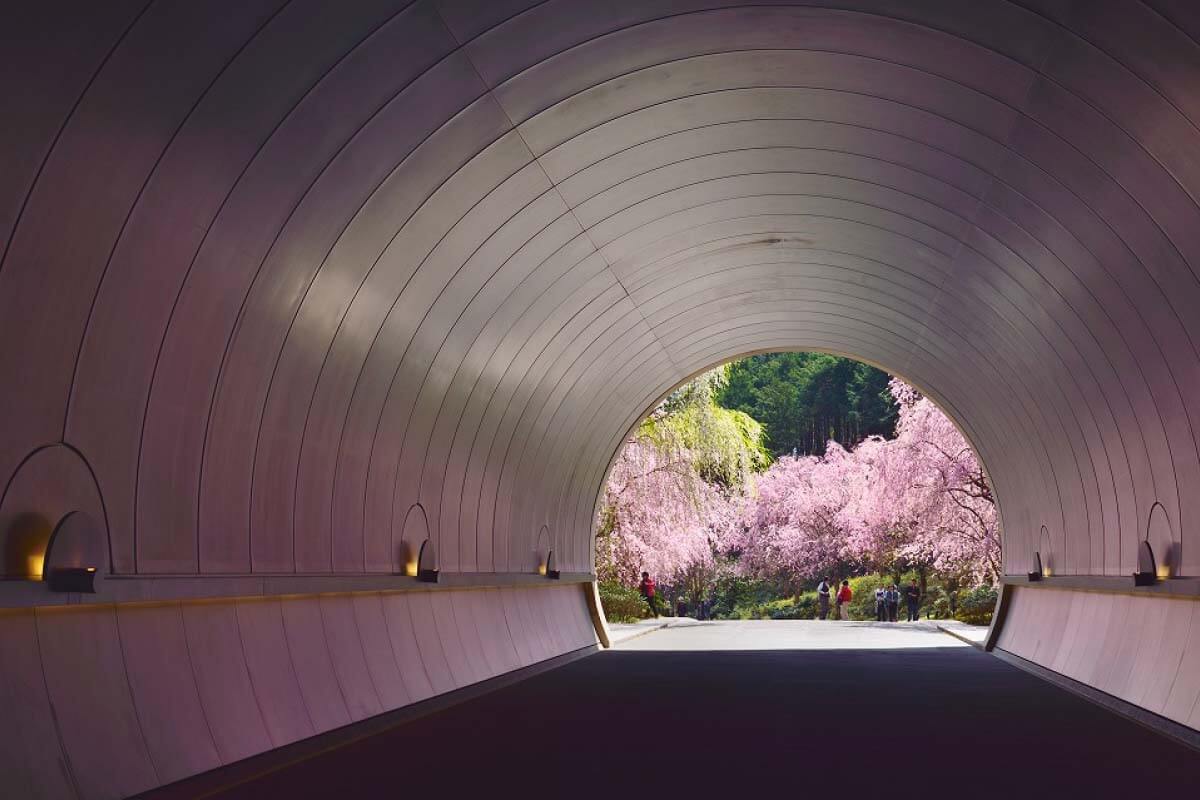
(287,288)
(112,700)
(1143,650)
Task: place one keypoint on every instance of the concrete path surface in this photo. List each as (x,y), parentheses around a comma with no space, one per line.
(972,634)
(792,635)
(624,631)
(746,709)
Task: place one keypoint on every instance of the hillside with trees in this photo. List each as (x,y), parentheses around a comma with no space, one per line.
(805,400)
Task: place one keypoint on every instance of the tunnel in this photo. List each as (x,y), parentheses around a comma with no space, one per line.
(321,324)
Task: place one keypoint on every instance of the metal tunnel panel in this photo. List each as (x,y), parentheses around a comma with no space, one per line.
(274,274)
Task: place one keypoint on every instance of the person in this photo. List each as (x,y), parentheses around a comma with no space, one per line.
(646,587)
(893,603)
(844,596)
(880,604)
(823,598)
(912,594)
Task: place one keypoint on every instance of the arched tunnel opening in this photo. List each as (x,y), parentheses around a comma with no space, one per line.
(760,487)
(321,322)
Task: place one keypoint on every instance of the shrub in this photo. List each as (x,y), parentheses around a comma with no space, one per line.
(737,597)
(940,606)
(806,607)
(802,607)
(621,603)
(975,606)
(776,609)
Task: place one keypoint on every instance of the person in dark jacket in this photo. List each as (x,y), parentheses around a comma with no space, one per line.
(912,595)
(823,598)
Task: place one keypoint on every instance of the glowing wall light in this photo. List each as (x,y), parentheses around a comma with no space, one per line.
(414,537)
(541,551)
(411,557)
(25,544)
(35,564)
(1161,538)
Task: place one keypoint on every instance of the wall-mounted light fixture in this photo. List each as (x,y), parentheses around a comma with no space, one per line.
(1036,573)
(74,554)
(72,579)
(548,568)
(427,570)
(1147,573)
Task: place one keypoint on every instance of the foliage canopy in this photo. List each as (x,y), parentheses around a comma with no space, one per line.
(805,400)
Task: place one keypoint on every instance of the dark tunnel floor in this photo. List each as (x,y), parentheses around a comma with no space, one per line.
(638,722)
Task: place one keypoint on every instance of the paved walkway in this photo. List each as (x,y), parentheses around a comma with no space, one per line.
(624,631)
(970,634)
(717,709)
(792,635)
(973,634)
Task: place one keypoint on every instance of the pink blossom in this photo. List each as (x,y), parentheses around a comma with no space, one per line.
(919,500)
(659,516)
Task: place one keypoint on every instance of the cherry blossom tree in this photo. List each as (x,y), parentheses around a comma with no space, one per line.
(657,516)
(684,499)
(918,501)
(939,496)
(674,492)
(793,528)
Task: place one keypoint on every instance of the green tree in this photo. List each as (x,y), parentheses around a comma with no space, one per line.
(725,445)
(805,399)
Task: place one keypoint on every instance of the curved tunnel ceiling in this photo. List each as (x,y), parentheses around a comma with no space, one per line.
(273,276)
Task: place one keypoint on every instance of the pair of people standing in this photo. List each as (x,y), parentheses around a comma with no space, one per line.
(887,603)
(843,599)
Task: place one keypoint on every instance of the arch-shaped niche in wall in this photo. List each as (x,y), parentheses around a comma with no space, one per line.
(541,551)
(415,534)
(52,484)
(1162,542)
(1046,549)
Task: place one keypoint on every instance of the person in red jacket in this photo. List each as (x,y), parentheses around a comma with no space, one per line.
(843,600)
(646,587)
